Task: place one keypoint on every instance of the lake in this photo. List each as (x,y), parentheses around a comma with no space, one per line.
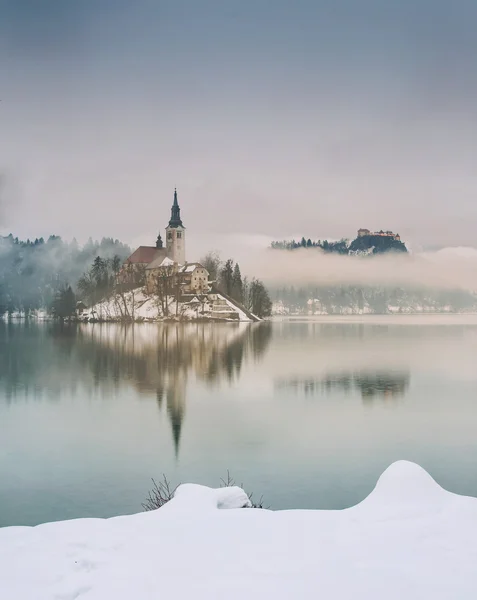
(307,413)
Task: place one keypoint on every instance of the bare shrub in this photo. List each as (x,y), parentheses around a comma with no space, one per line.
(230,482)
(162,492)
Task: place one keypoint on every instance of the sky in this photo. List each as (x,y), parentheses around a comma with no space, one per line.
(274,119)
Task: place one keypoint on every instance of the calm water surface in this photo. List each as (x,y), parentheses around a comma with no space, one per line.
(307,413)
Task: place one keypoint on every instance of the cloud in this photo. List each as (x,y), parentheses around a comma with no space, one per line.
(450,268)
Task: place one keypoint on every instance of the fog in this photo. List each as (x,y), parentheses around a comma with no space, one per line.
(270,118)
(450,268)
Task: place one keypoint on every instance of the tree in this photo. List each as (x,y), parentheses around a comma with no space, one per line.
(211,261)
(87,288)
(33,270)
(3,300)
(226,277)
(64,304)
(99,270)
(116,264)
(237,285)
(163,286)
(258,299)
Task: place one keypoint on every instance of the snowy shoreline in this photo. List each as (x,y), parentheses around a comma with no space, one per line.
(136,306)
(408,539)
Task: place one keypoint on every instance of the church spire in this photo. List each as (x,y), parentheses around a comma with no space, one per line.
(175,213)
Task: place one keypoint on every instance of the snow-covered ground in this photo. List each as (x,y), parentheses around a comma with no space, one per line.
(140,306)
(409,539)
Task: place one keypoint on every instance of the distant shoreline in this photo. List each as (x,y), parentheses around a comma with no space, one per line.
(396,318)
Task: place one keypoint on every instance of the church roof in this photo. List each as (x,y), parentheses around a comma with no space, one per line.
(175,220)
(145,254)
(160,260)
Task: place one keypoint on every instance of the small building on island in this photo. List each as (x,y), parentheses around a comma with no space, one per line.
(171,284)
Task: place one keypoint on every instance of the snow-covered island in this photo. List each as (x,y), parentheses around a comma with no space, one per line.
(139,306)
(408,539)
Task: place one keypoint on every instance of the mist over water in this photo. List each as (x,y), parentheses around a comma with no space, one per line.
(450,268)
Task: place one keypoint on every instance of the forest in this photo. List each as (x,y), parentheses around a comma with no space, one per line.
(53,275)
(363,245)
(343,299)
(34,274)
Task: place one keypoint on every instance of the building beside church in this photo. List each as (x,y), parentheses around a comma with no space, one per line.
(147,264)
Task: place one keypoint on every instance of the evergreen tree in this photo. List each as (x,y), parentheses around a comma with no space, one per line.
(116,264)
(237,285)
(64,304)
(98,270)
(226,276)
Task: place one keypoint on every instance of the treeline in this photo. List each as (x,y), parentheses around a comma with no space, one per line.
(227,278)
(100,280)
(340,247)
(341,299)
(366,244)
(38,274)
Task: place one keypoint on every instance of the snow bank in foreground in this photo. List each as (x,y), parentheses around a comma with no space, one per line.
(409,539)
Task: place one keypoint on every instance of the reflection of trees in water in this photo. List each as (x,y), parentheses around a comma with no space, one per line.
(35,361)
(379,384)
(45,361)
(367,331)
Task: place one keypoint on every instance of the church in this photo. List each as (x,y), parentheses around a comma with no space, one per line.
(148,262)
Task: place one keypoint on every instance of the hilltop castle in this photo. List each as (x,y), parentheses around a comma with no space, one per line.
(389,234)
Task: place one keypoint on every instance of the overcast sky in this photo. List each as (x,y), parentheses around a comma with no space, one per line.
(272,118)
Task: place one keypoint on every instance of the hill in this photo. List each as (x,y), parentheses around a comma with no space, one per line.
(376,244)
(366,243)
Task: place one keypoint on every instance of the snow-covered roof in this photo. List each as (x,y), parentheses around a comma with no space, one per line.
(167,262)
(160,261)
(191,267)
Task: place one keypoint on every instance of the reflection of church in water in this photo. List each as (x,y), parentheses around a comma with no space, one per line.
(160,360)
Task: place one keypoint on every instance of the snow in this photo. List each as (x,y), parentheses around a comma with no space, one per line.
(241,314)
(409,539)
(167,262)
(189,268)
(138,305)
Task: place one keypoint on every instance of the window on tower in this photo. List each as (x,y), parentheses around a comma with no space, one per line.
(179,234)
(169,235)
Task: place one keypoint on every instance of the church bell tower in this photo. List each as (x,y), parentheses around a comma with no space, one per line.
(175,234)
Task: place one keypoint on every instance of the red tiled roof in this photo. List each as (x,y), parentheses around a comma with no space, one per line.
(144,254)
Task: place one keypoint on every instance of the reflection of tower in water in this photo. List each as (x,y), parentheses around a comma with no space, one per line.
(175,395)
(159,359)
